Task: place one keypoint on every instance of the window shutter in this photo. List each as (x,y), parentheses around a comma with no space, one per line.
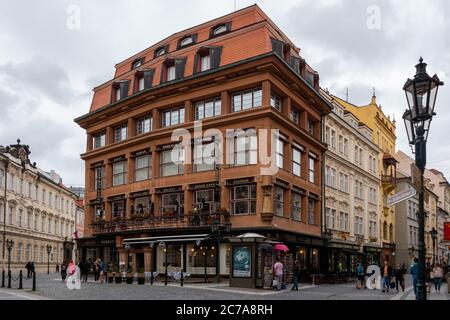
(277,47)
(179,68)
(295,64)
(124,86)
(148,78)
(216,55)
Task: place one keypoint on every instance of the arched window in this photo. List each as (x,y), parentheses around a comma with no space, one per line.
(385,231)
(19,252)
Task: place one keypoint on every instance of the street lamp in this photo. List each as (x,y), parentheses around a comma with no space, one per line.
(49,250)
(433,234)
(9,246)
(421,93)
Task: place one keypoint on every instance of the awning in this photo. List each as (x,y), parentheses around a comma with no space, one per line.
(179,238)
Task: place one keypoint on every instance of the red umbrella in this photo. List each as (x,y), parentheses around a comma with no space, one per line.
(280,247)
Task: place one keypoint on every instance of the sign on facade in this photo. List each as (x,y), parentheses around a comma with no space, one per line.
(401,196)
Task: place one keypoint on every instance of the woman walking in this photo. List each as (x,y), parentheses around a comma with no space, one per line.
(438,275)
(63,269)
(399,277)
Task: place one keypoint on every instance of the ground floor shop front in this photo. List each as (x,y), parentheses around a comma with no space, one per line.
(247,262)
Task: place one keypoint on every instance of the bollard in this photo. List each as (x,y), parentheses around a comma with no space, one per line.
(151,278)
(20,280)
(9,279)
(182,278)
(34,281)
(3,278)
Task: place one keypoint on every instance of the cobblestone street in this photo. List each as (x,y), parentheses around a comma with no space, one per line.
(51,287)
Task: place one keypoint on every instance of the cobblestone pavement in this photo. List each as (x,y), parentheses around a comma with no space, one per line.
(51,287)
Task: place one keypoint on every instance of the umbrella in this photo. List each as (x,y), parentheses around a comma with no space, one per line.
(280,247)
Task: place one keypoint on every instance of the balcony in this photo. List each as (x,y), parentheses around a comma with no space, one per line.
(169,220)
(388,179)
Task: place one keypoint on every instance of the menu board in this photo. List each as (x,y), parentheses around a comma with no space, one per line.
(242,262)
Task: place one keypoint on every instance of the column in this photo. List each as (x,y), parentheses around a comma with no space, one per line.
(108,211)
(225,102)
(108,177)
(109,135)
(266,92)
(131,128)
(89,142)
(188,199)
(156,119)
(286,107)
(130,168)
(188,112)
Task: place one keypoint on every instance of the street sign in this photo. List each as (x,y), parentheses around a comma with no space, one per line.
(415,176)
(447,231)
(401,196)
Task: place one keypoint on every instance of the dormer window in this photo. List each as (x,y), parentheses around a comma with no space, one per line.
(120,90)
(143,80)
(220,29)
(170,73)
(161,51)
(207,58)
(137,63)
(186,41)
(118,96)
(173,69)
(141,83)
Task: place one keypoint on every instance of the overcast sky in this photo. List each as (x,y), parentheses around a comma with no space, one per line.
(48,66)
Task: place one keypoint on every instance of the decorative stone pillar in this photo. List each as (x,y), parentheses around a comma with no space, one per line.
(267,209)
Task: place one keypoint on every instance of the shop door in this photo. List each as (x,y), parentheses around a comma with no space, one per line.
(140,261)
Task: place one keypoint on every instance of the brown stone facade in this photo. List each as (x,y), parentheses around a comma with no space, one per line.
(192,203)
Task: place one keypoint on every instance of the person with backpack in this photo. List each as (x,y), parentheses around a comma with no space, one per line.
(360,276)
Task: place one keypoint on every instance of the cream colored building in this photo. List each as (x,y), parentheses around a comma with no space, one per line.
(411,206)
(36,211)
(352,189)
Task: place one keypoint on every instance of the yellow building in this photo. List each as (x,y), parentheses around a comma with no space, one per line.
(383,129)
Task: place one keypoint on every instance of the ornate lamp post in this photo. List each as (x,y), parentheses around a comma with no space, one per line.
(433,234)
(421,93)
(49,250)
(9,246)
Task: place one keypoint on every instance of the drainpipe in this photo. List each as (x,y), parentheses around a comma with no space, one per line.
(322,182)
(4,212)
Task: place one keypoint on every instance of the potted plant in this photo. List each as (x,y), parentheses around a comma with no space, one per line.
(141,276)
(130,275)
(111,275)
(117,275)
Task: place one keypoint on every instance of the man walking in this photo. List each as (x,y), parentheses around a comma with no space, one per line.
(387,272)
(360,276)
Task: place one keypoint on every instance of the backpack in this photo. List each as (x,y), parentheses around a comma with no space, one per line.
(360,270)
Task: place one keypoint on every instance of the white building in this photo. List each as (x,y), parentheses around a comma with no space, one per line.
(352,188)
(36,212)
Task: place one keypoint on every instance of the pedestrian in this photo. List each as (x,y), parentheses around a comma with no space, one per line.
(96,268)
(32,268)
(63,271)
(295,275)
(387,273)
(399,277)
(278,273)
(101,267)
(71,268)
(57,267)
(360,276)
(415,274)
(27,266)
(81,266)
(438,275)
(428,279)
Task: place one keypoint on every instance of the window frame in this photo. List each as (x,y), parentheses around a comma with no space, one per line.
(241,94)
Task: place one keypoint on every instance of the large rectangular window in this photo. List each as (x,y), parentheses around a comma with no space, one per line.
(311,168)
(173,117)
(144,125)
(296,206)
(99,140)
(373,225)
(246,100)
(143,170)
(279,151)
(120,133)
(172,204)
(297,162)
(330,218)
(279,201)
(343,221)
(119,173)
(311,210)
(243,199)
(295,115)
(207,109)
(243,148)
(118,209)
(204,156)
(359,223)
(343,182)
(275,101)
(172,162)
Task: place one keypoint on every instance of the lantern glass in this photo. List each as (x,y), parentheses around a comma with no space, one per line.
(409,90)
(433,94)
(409,127)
